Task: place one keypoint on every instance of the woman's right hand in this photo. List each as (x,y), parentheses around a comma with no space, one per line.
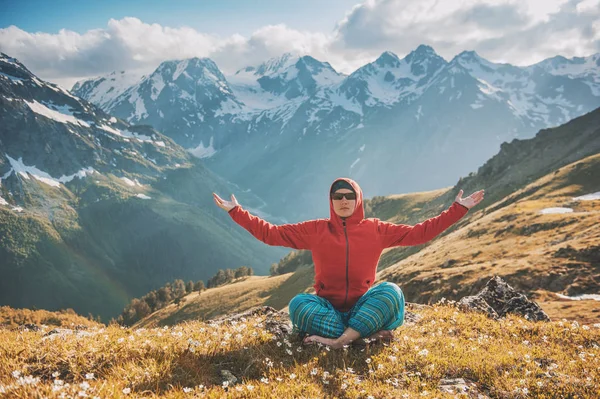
(227,205)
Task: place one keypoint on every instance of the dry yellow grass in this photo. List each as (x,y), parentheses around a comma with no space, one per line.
(510,358)
(11,318)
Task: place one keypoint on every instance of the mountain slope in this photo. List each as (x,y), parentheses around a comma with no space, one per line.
(93,207)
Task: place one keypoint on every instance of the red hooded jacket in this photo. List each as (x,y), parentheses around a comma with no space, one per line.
(346,252)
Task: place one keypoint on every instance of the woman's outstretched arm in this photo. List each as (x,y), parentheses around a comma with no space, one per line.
(297,236)
(393,235)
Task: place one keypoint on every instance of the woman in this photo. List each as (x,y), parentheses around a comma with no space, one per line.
(345,250)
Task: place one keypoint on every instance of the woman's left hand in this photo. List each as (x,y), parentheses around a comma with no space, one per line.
(471,200)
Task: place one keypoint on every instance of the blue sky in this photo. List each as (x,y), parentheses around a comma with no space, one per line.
(64,41)
(221,17)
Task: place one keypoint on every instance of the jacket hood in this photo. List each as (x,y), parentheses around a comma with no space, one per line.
(359,210)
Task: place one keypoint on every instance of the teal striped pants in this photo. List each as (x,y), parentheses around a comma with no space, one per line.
(380,308)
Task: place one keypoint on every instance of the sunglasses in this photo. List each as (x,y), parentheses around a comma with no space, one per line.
(339,196)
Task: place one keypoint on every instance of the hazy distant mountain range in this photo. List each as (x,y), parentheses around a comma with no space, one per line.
(395,125)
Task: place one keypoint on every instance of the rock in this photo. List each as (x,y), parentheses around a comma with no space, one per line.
(227,376)
(498,298)
(29,327)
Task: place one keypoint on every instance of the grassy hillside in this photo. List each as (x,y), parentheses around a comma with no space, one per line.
(446,353)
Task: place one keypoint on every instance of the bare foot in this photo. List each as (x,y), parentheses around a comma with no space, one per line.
(313,339)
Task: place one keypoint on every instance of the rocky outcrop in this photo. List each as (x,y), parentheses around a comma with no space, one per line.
(498,298)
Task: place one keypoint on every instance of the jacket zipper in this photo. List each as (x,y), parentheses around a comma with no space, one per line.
(347,255)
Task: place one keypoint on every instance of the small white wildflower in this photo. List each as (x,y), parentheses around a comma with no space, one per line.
(84,385)
(424,352)
(368,360)
(16,373)
(225,384)
(292,376)
(250,387)
(525,342)
(55,374)
(126,391)
(392,358)
(585,327)
(344,385)
(314,371)
(120,340)
(289,352)
(264,380)
(187,389)
(279,343)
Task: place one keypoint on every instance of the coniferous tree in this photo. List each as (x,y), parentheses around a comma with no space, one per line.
(189,287)
(178,288)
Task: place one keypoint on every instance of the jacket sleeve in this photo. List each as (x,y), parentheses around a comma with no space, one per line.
(297,236)
(394,235)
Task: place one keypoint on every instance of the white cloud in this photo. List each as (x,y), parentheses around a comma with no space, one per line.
(519,32)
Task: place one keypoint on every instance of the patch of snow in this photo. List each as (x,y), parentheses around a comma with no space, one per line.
(112,119)
(127,134)
(3,201)
(228,107)
(142,196)
(556,210)
(349,104)
(203,152)
(138,102)
(130,182)
(181,67)
(160,143)
(62,114)
(588,197)
(354,163)
(13,78)
(24,171)
(362,148)
(157,86)
(17,209)
(583,297)
(419,114)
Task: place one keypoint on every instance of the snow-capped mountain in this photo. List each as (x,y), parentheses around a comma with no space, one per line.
(89,202)
(104,89)
(403,124)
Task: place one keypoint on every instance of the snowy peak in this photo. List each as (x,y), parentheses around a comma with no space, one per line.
(276,65)
(105,89)
(388,60)
(302,77)
(424,61)
(574,67)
